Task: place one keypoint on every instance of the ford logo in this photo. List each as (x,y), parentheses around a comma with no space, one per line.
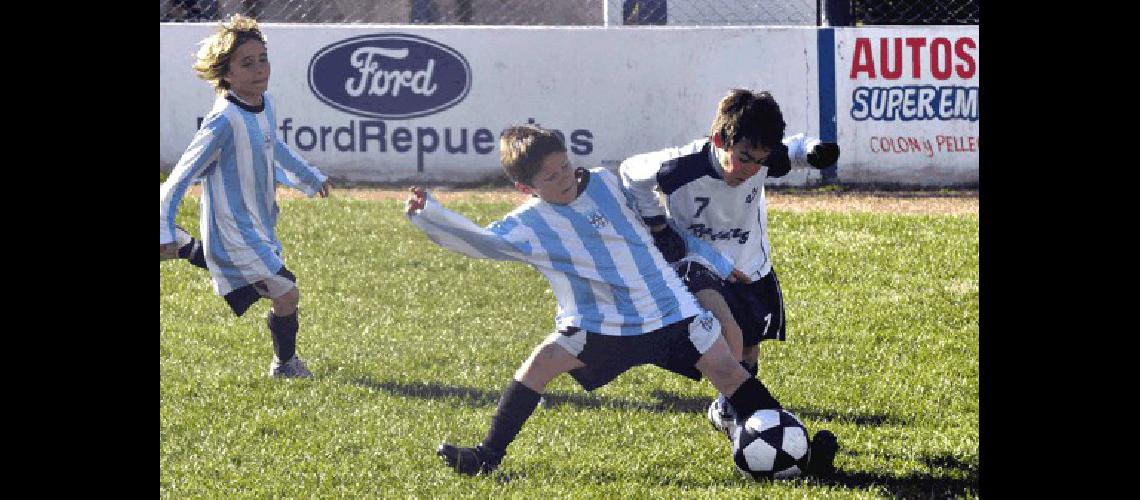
(389,76)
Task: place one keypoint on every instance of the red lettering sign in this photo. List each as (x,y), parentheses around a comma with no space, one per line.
(863,60)
(946,59)
(966,71)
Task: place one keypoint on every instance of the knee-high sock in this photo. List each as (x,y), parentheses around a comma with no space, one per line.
(752,396)
(515,407)
(283,329)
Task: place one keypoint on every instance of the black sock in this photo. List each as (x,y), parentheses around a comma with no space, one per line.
(283,329)
(193,252)
(750,367)
(515,407)
(752,396)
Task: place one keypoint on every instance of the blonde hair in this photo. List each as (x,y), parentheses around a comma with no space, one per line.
(213,57)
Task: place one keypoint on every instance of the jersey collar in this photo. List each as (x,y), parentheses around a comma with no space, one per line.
(232,97)
(714,164)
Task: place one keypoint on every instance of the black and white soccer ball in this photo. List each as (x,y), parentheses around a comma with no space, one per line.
(772,444)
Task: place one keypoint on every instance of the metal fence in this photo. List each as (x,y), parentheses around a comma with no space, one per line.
(911,12)
(582,12)
(501,12)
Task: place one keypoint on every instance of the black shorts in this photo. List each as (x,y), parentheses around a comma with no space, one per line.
(670,347)
(758,308)
(240,299)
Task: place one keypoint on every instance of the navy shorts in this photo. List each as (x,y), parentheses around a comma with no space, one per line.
(758,308)
(240,299)
(675,347)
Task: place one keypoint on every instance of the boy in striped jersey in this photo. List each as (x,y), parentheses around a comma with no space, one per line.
(620,305)
(239,161)
(714,189)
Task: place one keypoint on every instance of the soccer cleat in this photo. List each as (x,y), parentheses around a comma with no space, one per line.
(470,461)
(722,416)
(821,462)
(294,368)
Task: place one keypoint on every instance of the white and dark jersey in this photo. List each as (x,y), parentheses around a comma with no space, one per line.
(698,201)
(238,159)
(606,274)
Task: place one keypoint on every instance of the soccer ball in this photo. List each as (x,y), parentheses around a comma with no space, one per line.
(772,444)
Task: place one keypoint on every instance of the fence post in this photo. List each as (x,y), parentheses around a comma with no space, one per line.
(611,15)
(836,12)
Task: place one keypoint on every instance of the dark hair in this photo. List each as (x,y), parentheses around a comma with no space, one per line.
(522,149)
(743,115)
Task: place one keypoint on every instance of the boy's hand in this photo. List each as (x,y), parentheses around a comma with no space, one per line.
(823,155)
(738,277)
(168,250)
(416,201)
(325,188)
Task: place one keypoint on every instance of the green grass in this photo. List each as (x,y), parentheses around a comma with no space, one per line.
(411,345)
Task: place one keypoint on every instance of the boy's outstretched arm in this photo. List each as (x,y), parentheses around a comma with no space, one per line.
(457,233)
(801,151)
(199,155)
(293,171)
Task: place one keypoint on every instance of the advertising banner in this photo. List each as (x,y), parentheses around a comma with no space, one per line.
(381,103)
(907,104)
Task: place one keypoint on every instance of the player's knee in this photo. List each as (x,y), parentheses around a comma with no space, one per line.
(545,362)
(718,365)
(286,303)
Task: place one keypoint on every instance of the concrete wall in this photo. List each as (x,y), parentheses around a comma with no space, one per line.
(613,92)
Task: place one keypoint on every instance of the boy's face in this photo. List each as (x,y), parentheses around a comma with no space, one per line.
(555,181)
(741,161)
(248,73)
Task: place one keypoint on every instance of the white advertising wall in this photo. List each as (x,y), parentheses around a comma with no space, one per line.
(907,104)
(388,103)
(400,103)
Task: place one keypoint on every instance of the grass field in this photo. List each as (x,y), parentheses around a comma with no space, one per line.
(411,345)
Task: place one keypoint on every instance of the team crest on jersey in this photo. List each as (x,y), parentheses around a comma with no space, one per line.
(597,219)
(706,322)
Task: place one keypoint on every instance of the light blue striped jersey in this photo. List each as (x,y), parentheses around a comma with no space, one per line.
(598,256)
(239,160)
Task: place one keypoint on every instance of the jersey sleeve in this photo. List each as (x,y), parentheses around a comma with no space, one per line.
(285,178)
(699,250)
(799,146)
(639,177)
(458,234)
(199,156)
(294,170)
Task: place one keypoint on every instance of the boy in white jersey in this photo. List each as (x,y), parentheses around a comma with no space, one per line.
(714,190)
(239,161)
(620,305)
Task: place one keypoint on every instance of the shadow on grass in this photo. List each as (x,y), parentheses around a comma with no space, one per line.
(657,401)
(910,486)
(915,485)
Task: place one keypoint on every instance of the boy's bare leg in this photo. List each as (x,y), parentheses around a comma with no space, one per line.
(283,326)
(547,361)
(714,302)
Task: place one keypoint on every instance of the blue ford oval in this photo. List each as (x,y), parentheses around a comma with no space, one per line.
(393,76)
